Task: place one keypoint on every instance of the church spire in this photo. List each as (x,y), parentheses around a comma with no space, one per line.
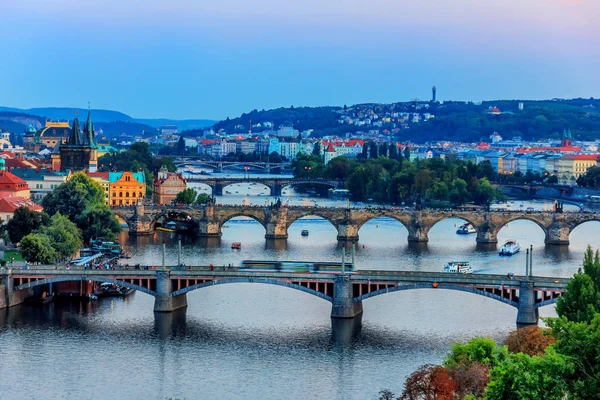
(88,131)
(75,138)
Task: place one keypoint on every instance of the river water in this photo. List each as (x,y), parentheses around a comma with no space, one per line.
(251,341)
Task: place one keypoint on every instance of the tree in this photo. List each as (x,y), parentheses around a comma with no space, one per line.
(578,342)
(66,236)
(23,222)
(393,151)
(98,221)
(429,382)
(72,197)
(186,196)
(407,153)
(581,301)
(478,349)
(316,151)
(365,150)
(522,377)
(373,150)
(591,178)
(486,170)
(181,146)
(438,191)
(471,380)
(37,247)
(383,149)
(485,193)
(203,198)
(531,340)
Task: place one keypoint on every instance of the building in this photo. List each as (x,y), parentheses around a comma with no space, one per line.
(79,153)
(11,185)
(41,181)
(574,166)
(8,206)
(166,186)
(329,154)
(48,136)
(102,179)
(126,188)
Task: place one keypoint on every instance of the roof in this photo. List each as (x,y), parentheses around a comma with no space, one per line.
(10,204)
(115,176)
(98,174)
(29,174)
(590,157)
(330,149)
(7,178)
(13,163)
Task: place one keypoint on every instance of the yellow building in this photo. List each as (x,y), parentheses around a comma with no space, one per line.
(102,179)
(126,188)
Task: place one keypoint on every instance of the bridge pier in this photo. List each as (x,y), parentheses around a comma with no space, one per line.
(217,189)
(486,234)
(209,225)
(527,311)
(8,296)
(276,223)
(276,189)
(344,305)
(140,224)
(164,300)
(558,234)
(418,233)
(347,232)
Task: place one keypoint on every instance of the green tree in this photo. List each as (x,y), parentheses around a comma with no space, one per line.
(316,151)
(72,197)
(373,150)
(186,196)
(98,221)
(578,342)
(37,247)
(523,377)
(66,236)
(581,301)
(365,150)
(478,349)
(486,170)
(407,153)
(438,191)
(23,222)
(181,146)
(203,198)
(485,192)
(393,151)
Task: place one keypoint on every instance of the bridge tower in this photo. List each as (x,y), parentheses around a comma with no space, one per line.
(209,225)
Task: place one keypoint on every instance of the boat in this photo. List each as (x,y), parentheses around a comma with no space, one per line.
(236,245)
(466,229)
(168,227)
(509,248)
(107,248)
(304,232)
(458,267)
(109,289)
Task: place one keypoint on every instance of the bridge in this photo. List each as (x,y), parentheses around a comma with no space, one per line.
(210,219)
(220,165)
(276,185)
(345,292)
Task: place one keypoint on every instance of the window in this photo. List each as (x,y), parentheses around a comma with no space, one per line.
(141,195)
(114,195)
(126,194)
(120,194)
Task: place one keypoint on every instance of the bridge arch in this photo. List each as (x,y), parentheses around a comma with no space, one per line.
(267,281)
(461,288)
(384,214)
(373,223)
(591,220)
(316,215)
(546,302)
(225,219)
(75,278)
(521,217)
(227,184)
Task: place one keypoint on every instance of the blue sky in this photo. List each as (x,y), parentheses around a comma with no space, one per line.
(213,59)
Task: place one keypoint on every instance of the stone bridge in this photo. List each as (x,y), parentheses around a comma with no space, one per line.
(345,292)
(220,165)
(277,220)
(276,185)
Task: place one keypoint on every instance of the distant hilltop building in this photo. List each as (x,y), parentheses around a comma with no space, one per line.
(168,130)
(78,153)
(433,94)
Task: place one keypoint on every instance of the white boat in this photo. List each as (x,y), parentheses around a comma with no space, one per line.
(458,267)
(466,229)
(509,248)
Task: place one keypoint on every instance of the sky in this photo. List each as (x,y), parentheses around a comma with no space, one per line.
(216,59)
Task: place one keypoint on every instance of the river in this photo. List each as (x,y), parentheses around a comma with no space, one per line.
(251,341)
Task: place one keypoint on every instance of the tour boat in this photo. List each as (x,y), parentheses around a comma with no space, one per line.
(458,267)
(466,229)
(509,248)
(236,245)
(305,232)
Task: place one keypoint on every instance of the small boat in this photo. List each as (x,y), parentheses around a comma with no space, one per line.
(236,245)
(509,248)
(466,229)
(458,267)
(304,232)
(108,289)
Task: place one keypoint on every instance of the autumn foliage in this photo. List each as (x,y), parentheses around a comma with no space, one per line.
(429,382)
(531,340)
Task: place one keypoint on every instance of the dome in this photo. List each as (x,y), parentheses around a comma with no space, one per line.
(30,129)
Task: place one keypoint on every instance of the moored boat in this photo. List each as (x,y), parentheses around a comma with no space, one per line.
(304,232)
(236,245)
(458,267)
(509,248)
(466,229)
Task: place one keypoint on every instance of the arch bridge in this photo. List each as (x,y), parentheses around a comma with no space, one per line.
(221,165)
(275,185)
(345,292)
(277,219)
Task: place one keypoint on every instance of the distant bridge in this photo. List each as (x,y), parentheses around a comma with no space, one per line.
(275,185)
(221,165)
(277,220)
(345,292)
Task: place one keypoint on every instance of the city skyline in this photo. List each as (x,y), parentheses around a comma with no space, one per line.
(189,60)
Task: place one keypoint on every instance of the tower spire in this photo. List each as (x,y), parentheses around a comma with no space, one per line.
(88,131)
(75,137)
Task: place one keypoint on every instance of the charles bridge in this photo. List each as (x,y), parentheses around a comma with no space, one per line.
(345,292)
(276,220)
(276,185)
